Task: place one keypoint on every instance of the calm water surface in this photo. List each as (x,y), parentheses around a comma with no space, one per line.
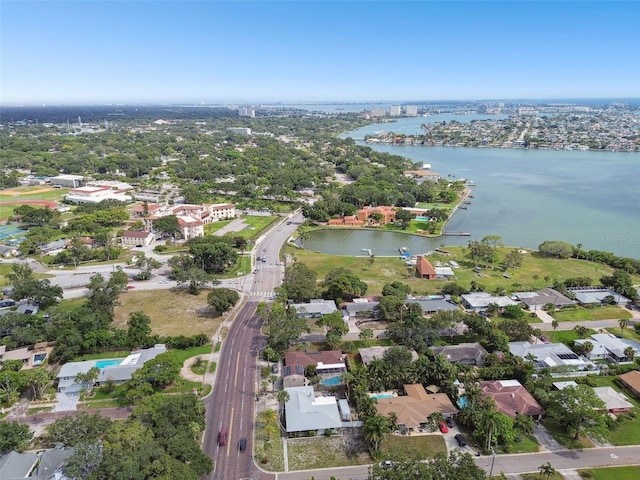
(525,196)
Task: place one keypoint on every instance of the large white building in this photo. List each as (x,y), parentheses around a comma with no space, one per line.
(247,112)
(394,110)
(71,181)
(95,195)
(411,110)
(191,218)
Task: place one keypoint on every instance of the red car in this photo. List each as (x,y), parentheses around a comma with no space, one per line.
(222,438)
(443,427)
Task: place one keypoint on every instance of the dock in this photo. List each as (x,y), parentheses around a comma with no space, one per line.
(456,234)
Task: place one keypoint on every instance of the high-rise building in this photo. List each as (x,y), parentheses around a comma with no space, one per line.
(247,112)
(411,110)
(394,110)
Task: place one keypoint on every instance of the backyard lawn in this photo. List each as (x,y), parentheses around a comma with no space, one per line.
(172,312)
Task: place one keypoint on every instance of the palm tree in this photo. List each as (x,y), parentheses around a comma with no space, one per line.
(555,324)
(546,470)
(587,347)
(283,397)
(374,429)
(366,334)
(535,281)
(273,379)
(547,278)
(624,323)
(629,352)
(524,424)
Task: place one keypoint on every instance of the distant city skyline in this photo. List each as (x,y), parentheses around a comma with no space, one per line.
(216,52)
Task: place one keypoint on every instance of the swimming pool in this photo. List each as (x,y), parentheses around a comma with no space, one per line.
(420,218)
(462,401)
(107,363)
(378,396)
(331,381)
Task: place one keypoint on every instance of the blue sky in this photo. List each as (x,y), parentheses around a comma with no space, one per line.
(242,51)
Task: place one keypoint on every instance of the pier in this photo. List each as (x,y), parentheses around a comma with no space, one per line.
(456,234)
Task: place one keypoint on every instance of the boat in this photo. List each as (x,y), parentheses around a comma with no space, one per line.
(470,183)
(467,202)
(463,207)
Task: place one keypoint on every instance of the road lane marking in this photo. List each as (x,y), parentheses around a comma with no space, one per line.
(235,383)
(230,430)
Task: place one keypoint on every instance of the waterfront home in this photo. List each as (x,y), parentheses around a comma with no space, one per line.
(347,221)
(424,269)
(386,214)
(304,412)
(414,409)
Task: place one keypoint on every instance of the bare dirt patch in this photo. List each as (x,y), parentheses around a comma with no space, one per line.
(25,191)
(322,452)
(172,312)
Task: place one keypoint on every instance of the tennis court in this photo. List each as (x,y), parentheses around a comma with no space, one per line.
(7,231)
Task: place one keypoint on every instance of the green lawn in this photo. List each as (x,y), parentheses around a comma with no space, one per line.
(401,447)
(389,269)
(52,194)
(564,438)
(565,336)
(211,228)
(611,473)
(537,476)
(527,445)
(586,314)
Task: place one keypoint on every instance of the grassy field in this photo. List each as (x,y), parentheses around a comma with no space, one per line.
(611,473)
(322,452)
(32,193)
(580,314)
(401,447)
(565,336)
(537,476)
(531,275)
(172,312)
(211,228)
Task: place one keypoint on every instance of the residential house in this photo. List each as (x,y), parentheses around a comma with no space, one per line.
(615,402)
(424,269)
(304,412)
(369,354)
(614,346)
(463,353)
(327,362)
(27,309)
(414,409)
(137,238)
(388,214)
(596,295)
(293,376)
(116,370)
(55,247)
(511,398)
(357,309)
(631,380)
(479,301)
(347,221)
(432,305)
(8,251)
(44,465)
(445,273)
(315,308)
(549,355)
(535,300)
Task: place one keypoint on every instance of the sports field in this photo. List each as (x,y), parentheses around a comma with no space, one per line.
(35,195)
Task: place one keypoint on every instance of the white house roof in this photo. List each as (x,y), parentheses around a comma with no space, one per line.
(612,399)
(321,307)
(548,354)
(596,295)
(484,299)
(616,345)
(304,411)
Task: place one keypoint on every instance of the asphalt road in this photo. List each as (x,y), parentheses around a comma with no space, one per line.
(231,405)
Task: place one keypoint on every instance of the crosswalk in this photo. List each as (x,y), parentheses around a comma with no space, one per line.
(261,294)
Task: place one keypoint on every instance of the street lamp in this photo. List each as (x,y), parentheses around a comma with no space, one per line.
(493,461)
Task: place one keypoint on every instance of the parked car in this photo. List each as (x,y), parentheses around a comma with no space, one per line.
(222,438)
(449,422)
(386,464)
(7,303)
(242,444)
(461,441)
(274,368)
(443,427)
